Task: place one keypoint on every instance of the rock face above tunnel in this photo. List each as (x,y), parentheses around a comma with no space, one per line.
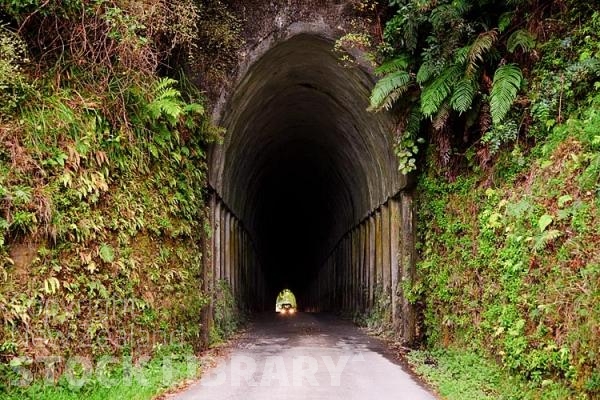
(266,23)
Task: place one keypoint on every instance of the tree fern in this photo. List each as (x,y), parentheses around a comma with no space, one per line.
(463,94)
(388,89)
(507,82)
(521,38)
(434,94)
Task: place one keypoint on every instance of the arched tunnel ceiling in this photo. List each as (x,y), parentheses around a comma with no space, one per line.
(303,161)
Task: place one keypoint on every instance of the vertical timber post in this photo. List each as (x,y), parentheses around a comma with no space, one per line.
(395,224)
(378,255)
(372,258)
(386,256)
(408,264)
(208,245)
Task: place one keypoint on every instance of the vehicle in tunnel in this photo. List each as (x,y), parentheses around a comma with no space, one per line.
(286,302)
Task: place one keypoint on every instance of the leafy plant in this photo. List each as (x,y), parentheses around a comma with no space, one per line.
(506,85)
(14,85)
(446,51)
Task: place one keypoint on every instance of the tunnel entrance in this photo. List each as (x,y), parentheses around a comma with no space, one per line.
(306,185)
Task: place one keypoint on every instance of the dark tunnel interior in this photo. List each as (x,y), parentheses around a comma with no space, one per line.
(303,161)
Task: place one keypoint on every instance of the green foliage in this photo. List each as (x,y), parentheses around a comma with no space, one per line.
(511,272)
(406,148)
(434,94)
(463,95)
(451,49)
(507,82)
(458,374)
(388,89)
(102,183)
(227,316)
(121,378)
(522,39)
(14,86)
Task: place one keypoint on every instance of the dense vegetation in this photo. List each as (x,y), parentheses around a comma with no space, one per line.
(103,180)
(102,186)
(505,94)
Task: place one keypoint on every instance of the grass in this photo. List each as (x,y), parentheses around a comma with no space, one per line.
(465,375)
(161,374)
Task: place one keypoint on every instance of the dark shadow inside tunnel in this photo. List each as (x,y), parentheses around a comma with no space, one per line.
(303,161)
(294,215)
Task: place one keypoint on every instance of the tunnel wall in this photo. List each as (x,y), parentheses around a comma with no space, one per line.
(370,265)
(230,257)
(370,250)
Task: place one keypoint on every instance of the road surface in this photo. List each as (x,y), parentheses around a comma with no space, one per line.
(306,356)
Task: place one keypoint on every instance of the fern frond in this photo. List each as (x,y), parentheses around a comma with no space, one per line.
(479,47)
(194,108)
(505,20)
(388,89)
(434,94)
(413,120)
(507,82)
(462,6)
(164,83)
(521,38)
(463,94)
(168,108)
(461,55)
(167,102)
(399,63)
(441,117)
(542,240)
(167,94)
(425,72)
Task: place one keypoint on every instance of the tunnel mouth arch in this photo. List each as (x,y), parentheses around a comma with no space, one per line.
(303,162)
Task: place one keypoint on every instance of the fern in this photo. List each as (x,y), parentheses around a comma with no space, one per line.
(167,102)
(542,240)
(521,38)
(426,71)
(507,82)
(413,121)
(478,48)
(461,55)
(399,63)
(411,32)
(434,94)
(463,94)
(388,89)
(407,147)
(444,14)
(441,117)
(164,84)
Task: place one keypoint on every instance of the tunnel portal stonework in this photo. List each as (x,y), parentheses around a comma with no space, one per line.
(305,188)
